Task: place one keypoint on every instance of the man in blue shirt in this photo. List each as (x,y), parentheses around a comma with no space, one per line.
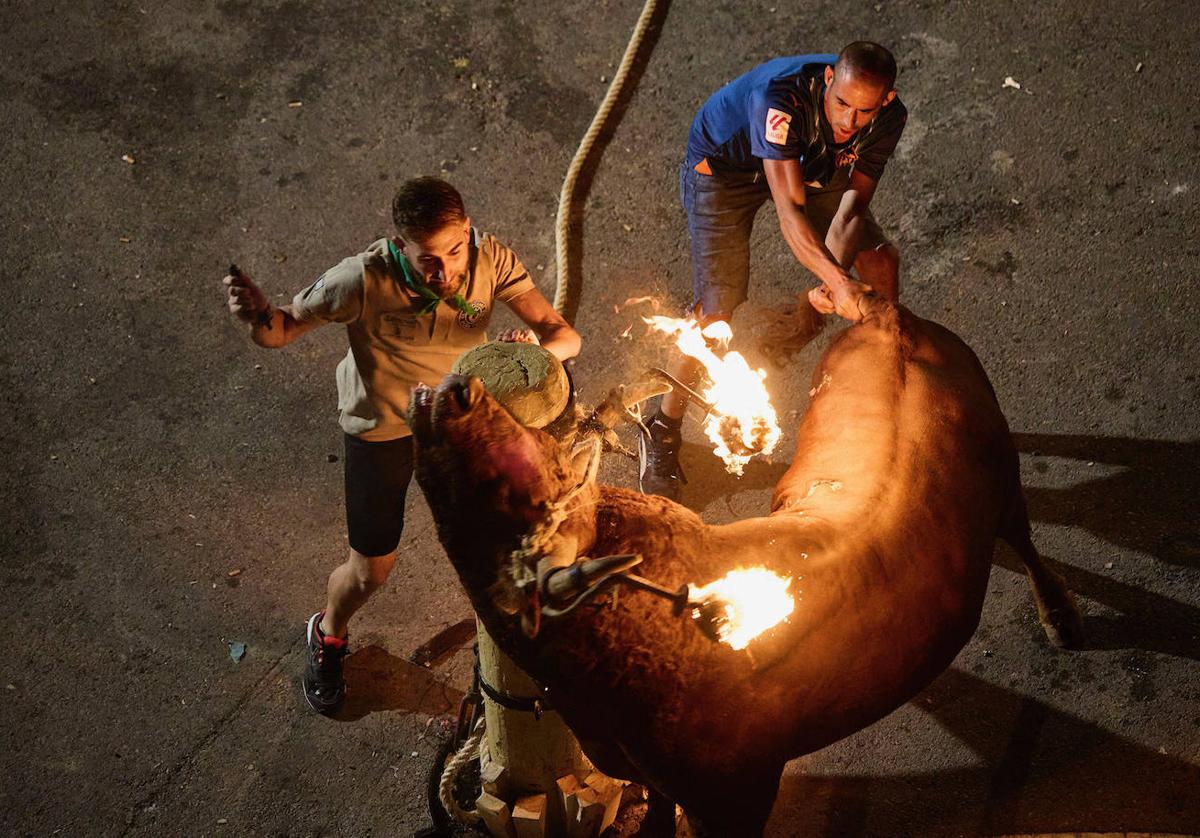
(812,133)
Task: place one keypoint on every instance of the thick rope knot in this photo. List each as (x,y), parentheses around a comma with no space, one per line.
(538,542)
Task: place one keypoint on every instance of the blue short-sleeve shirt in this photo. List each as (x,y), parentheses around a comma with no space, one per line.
(776,112)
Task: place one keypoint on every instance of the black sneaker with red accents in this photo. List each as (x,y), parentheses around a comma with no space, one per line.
(324,686)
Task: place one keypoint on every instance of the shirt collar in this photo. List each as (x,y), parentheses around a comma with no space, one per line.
(428,298)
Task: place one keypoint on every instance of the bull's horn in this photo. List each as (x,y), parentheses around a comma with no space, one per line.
(616,406)
(585,460)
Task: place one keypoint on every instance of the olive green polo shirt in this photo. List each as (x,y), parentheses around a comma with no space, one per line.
(392,345)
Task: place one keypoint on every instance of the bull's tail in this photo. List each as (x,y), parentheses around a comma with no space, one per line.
(897,321)
(1056,607)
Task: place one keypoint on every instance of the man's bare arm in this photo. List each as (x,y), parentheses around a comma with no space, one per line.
(270,327)
(855,202)
(845,226)
(554,333)
(284,328)
(863,188)
(786,180)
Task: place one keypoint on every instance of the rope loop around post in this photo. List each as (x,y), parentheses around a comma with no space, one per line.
(468,752)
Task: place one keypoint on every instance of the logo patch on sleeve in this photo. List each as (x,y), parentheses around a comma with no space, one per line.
(777,126)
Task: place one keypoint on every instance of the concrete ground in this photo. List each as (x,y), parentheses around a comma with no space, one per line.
(150,450)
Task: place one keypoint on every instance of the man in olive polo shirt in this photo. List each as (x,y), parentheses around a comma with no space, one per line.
(411,305)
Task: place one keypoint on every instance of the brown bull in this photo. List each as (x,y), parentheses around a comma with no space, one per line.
(904,477)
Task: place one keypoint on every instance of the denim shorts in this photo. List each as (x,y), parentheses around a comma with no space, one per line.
(720,210)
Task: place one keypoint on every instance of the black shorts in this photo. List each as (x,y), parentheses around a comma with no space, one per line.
(377,478)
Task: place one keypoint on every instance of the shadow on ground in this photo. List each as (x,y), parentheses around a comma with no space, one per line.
(707,479)
(1147,621)
(1149,505)
(1041,770)
(383,682)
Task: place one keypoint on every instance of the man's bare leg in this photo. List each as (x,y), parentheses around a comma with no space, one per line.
(658,450)
(350,586)
(686,369)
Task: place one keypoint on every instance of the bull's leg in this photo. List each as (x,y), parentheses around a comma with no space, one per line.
(734,806)
(1056,607)
(660,816)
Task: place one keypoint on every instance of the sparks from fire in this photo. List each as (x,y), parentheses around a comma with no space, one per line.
(743,422)
(754,600)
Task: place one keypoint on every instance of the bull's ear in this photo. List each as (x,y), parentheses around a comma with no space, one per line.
(585,460)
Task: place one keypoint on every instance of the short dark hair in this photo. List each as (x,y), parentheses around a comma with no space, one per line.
(425,205)
(867,58)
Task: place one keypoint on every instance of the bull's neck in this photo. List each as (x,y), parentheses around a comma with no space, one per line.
(486,552)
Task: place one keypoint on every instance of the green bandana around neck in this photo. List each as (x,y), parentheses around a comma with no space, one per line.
(414,283)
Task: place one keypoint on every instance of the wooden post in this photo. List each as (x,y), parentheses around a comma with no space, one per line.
(608,791)
(534,753)
(497,815)
(529,816)
(589,815)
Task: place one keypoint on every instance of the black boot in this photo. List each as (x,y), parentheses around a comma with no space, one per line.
(658,459)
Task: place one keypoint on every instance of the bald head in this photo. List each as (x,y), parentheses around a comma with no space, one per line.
(857,87)
(868,61)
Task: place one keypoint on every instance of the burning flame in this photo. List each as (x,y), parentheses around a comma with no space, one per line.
(742,422)
(748,602)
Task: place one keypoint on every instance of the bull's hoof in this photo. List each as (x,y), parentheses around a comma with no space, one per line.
(1064,626)
(659,821)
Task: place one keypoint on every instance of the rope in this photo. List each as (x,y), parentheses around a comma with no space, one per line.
(570,285)
(566,302)
(536,544)
(468,752)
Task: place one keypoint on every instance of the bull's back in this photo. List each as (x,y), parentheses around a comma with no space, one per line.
(905,460)
(897,402)
(885,521)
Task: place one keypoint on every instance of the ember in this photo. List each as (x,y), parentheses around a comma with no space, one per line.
(752,600)
(742,422)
